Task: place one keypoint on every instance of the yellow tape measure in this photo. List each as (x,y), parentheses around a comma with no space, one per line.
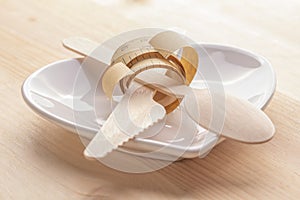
(137,56)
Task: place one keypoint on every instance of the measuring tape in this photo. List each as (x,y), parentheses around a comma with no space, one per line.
(157,53)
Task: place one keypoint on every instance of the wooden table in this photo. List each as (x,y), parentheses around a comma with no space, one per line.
(39,160)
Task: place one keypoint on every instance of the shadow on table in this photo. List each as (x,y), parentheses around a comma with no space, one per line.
(93,180)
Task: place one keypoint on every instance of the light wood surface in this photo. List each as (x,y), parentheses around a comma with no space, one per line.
(39,160)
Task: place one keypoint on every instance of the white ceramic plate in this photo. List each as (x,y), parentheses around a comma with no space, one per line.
(49,92)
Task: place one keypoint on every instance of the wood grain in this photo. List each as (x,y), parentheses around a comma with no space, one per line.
(42,161)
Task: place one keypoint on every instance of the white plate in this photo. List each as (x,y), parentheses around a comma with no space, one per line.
(49,92)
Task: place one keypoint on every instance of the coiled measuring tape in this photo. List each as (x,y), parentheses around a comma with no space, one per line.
(156,53)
